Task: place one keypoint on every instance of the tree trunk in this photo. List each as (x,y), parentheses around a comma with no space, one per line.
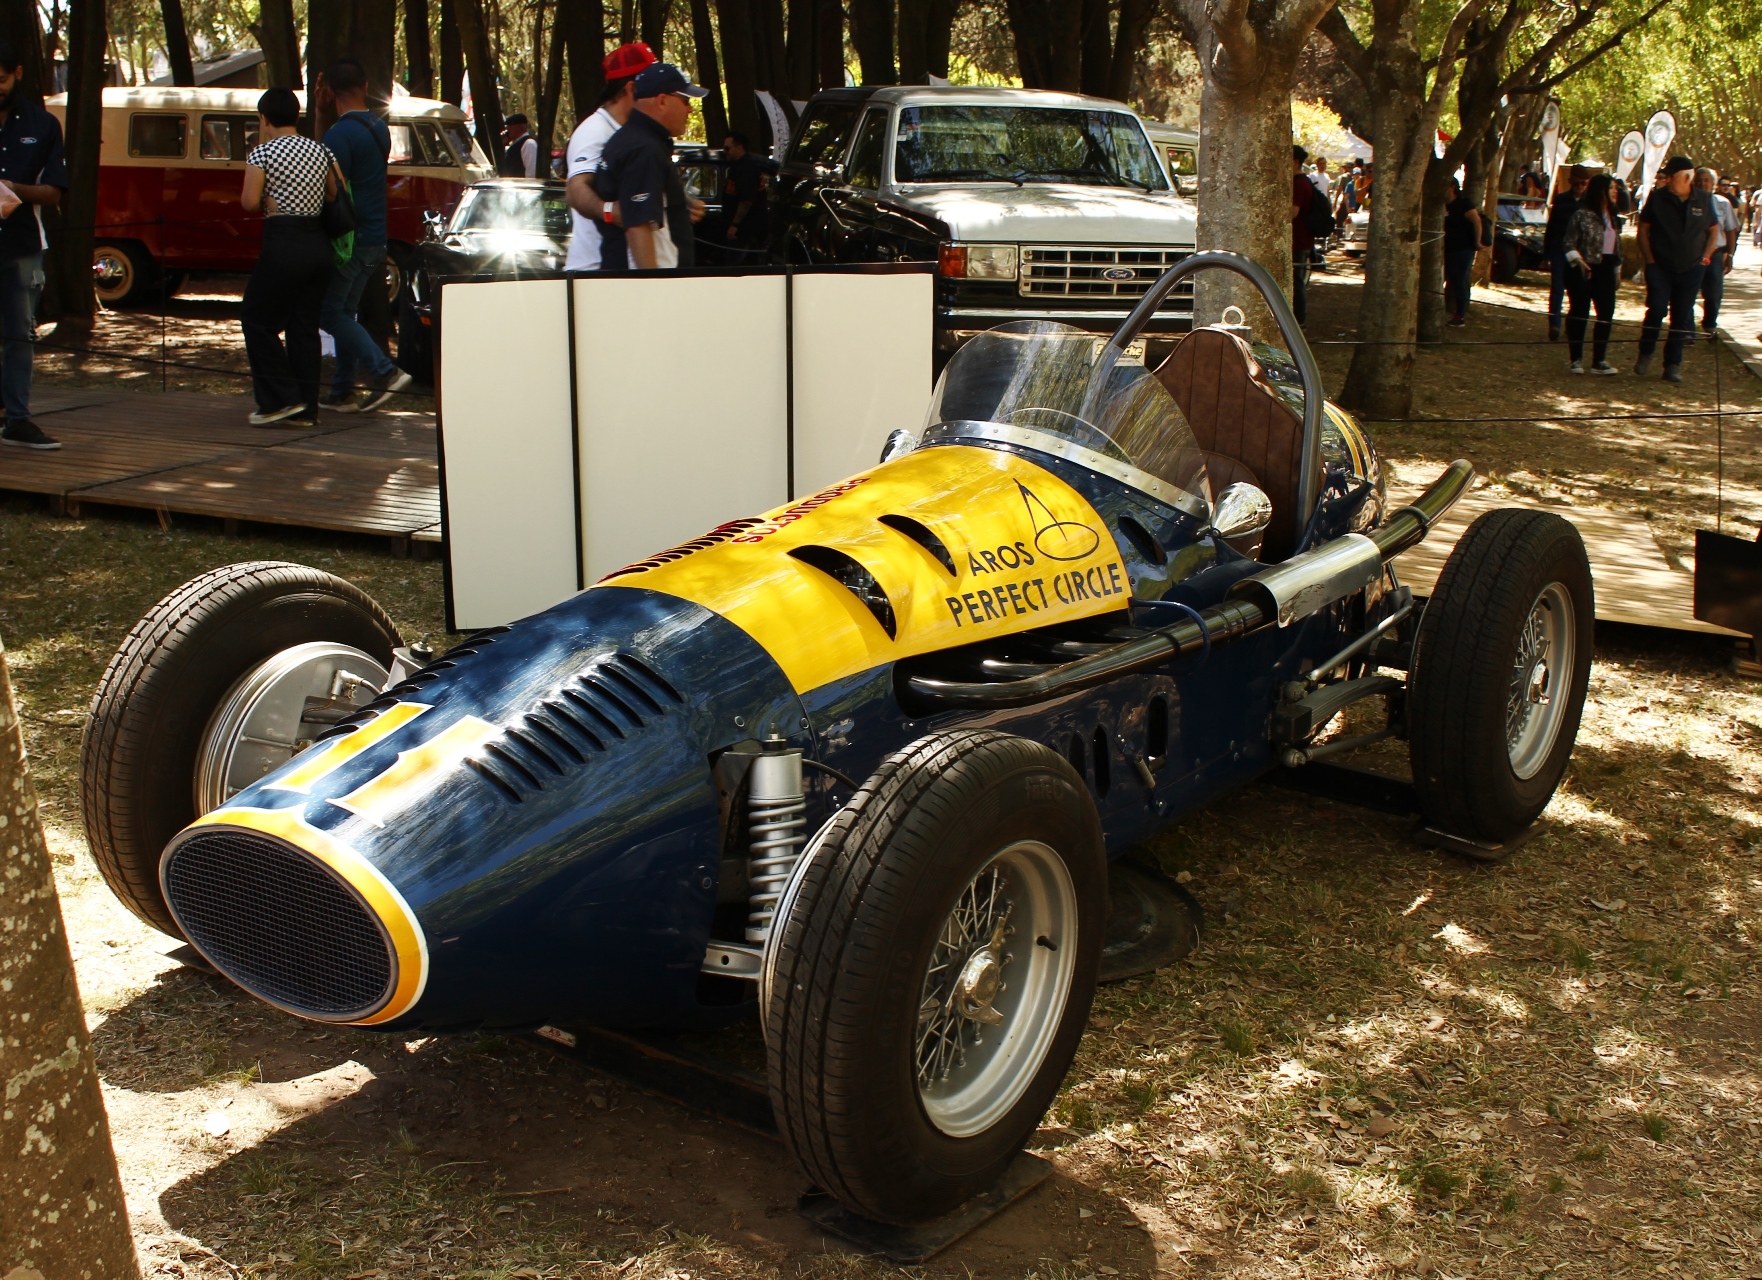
(739,69)
(280,41)
(177,43)
(1380,379)
(21,22)
(871,31)
(801,46)
(480,61)
(1128,46)
(914,28)
(327,39)
(536,95)
(550,96)
(1429,315)
(830,34)
(1049,43)
(1097,42)
(65,1214)
(584,38)
(79,207)
(770,58)
(452,57)
(418,52)
(938,35)
(373,43)
(709,75)
(654,26)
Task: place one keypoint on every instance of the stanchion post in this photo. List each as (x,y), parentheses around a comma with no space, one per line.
(63,1212)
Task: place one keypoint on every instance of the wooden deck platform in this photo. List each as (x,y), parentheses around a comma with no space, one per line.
(187,453)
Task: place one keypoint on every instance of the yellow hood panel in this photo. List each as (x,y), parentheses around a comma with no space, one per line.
(1028,551)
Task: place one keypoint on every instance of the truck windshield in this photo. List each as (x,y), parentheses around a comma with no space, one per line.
(1045,386)
(1024,144)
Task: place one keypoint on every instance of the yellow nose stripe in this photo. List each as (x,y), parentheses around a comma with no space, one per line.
(417,772)
(334,754)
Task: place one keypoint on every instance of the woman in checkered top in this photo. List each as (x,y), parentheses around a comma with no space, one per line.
(288,177)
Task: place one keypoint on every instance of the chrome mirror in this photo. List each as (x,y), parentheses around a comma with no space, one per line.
(433,225)
(1240,517)
(899,443)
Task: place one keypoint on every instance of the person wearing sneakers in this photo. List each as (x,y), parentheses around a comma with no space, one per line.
(588,143)
(1678,236)
(361,144)
(287,178)
(33,170)
(1593,259)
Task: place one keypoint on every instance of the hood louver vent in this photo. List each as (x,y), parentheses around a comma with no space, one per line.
(589,716)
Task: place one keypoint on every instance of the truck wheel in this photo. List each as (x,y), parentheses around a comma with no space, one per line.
(122,274)
(932,971)
(1500,668)
(212,689)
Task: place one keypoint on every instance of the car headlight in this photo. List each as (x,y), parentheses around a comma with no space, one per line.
(977,261)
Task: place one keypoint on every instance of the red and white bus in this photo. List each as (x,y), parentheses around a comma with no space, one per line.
(171,164)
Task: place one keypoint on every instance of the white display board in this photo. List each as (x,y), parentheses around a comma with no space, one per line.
(684,401)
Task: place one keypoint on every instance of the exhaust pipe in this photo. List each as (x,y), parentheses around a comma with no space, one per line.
(1280,595)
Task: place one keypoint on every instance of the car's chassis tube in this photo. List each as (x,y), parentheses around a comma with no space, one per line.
(1222,623)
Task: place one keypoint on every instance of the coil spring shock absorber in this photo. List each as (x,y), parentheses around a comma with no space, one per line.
(777,824)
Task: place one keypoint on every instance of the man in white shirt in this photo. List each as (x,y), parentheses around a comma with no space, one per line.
(1713,274)
(586,145)
(1323,183)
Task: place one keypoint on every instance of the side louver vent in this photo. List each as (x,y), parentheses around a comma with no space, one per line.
(589,716)
(855,579)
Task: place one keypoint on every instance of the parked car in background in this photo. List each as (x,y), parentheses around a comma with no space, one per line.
(1034,205)
(1517,238)
(1179,149)
(171,163)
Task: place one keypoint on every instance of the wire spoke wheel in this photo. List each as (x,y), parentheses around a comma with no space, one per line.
(995,986)
(1533,710)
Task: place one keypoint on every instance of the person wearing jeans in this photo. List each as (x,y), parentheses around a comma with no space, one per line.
(361,143)
(1713,278)
(33,169)
(1559,214)
(1678,236)
(1592,248)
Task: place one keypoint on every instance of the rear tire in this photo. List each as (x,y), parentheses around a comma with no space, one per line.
(1500,668)
(153,708)
(123,274)
(961,843)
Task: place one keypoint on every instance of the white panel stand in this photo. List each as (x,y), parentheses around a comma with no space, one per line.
(862,368)
(507,451)
(682,395)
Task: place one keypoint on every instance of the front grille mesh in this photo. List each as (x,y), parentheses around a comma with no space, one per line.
(1080,271)
(279,924)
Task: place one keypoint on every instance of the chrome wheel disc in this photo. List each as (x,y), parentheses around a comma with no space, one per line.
(112,273)
(996,988)
(1541,672)
(275,710)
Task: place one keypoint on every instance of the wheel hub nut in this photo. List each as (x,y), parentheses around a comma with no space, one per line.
(980,981)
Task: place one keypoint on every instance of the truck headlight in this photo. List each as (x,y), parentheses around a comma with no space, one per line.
(977,261)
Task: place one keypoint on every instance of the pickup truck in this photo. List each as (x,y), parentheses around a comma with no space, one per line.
(1034,205)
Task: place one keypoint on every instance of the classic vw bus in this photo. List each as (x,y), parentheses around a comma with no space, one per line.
(171,165)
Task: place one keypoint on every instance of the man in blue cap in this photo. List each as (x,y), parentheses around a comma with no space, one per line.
(637,175)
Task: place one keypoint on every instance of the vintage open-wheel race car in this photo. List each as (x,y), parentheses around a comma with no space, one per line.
(856,766)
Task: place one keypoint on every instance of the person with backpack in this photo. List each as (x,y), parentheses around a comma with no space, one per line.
(361,144)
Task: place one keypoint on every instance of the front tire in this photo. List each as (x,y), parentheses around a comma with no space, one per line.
(122,274)
(203,679)
(1500,668)
(932,972)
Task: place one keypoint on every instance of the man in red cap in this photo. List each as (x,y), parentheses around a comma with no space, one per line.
(586,144)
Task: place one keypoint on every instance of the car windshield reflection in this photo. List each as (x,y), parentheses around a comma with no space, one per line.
(947,143)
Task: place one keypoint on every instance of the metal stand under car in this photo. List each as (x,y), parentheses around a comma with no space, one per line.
(1152,922)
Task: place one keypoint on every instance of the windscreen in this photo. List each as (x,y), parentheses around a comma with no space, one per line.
(1024,144)
(1048,380)
(516,210)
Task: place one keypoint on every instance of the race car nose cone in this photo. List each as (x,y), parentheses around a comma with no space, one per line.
(980,981)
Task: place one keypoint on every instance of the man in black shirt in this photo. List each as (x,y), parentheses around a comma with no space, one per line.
(33,167)
(743,198)
(654,227)
(1554,243)
(1678,235)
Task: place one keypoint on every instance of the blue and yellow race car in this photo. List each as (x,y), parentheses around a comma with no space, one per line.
(855,767)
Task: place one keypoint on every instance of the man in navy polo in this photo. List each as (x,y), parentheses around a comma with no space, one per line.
(34,166)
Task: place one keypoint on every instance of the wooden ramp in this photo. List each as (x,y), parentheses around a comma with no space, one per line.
(194,454)
(1635,584)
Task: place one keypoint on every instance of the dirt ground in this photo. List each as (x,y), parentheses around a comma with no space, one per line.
(1382,1060)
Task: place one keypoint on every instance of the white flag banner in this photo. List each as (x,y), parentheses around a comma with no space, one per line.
(779,122)
(1552,149)
(1633,146)
(1660,133)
